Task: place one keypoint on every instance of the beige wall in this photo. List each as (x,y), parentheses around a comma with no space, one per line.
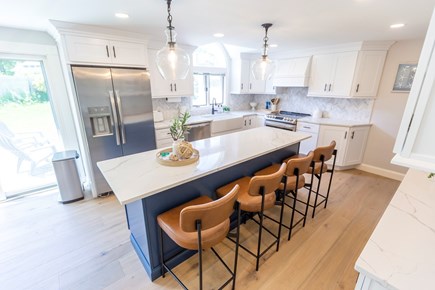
(388,108)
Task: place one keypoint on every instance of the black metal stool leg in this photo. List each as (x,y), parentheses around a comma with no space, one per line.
(317,192)
(161,251)
(260,228)
(198,228)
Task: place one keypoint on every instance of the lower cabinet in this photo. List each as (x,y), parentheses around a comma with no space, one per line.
(253,121)
(351,143)
(163,138)
(365,283)
(312,129)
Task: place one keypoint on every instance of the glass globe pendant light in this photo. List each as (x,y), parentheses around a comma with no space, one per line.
(173,62)
(263,68)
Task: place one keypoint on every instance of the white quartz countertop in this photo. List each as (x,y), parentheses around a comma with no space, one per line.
(137,176)
(334,122)
(207,118)
(400,254)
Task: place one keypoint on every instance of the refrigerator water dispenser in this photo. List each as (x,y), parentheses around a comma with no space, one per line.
(101,121)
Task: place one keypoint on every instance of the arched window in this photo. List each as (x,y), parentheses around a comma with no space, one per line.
(209,69)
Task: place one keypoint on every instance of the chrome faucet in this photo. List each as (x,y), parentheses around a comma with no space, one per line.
(213,104)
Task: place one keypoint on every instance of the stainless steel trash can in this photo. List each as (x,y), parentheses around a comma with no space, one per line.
(68,180)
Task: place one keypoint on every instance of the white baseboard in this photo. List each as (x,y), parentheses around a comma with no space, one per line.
(381,171)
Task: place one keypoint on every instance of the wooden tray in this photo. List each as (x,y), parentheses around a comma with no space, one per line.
(167,162)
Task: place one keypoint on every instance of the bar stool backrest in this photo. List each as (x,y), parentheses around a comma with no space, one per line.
(302,164)
(325,151)
(211,214)
(270,182)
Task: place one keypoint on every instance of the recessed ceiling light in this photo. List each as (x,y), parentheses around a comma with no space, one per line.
(121,15)
(273,45)
(218,35)
(397,25)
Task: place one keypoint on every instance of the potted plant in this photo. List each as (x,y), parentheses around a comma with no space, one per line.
(178,130)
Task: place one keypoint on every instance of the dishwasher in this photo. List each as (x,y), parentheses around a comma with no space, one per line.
(198,131)
(309,144)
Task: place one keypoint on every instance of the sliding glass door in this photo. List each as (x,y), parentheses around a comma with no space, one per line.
(28,132)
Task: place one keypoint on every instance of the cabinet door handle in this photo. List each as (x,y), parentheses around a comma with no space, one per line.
(306,127)
(245,123)
(114,51)
(171,87)
(250,86)
(329,88)
(250,122)
(241,86)
(175,87)
(107,50)
(345,135)
(353,134)
(357,88)
(325,87)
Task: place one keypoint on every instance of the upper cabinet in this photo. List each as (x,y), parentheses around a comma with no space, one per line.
(162,88)
(80,49)
(346,74)
(415,143)
(243,82)
(293,72)
(94,45)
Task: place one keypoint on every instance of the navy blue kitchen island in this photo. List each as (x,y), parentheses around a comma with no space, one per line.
(147,188)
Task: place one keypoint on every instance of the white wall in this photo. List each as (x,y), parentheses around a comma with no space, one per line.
(387,112)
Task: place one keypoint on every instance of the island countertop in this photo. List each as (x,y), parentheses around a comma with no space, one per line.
(400,254)
(137,176)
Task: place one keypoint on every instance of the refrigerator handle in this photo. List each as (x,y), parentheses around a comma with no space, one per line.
(121,118)
(115,117)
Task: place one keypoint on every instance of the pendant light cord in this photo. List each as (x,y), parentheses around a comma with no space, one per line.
(265,39)
(170,27)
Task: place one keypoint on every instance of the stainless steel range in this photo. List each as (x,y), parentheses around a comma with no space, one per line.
(284,119)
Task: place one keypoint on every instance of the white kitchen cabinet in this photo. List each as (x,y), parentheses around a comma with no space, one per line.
(243,82)
(163,138)
(368,73)
(161,88)
(351,143)
(260,121)
(96,50)
(311,143)
(366,283)
(250,122)
(415,143)
(346,74)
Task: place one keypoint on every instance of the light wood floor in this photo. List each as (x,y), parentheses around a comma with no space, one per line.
(85,245)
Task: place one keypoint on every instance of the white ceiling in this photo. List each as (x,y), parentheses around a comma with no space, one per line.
(298,24)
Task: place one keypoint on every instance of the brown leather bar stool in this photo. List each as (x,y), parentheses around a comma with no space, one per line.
(295,180)
(200,224)
(256,195)
(321,155)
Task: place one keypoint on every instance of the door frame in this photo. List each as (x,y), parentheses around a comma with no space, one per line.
(56,86)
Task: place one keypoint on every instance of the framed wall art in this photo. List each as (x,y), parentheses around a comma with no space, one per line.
(404,77)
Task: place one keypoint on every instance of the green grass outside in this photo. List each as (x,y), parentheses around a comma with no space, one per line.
(28,118)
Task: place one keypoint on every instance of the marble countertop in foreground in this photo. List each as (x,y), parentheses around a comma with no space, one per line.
(400,254)
(134,177)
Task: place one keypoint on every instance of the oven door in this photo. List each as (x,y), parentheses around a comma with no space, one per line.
(281,125)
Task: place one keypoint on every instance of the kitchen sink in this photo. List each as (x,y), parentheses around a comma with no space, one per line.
(220,116)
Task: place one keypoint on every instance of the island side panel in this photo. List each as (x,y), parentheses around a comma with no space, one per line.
(142,214)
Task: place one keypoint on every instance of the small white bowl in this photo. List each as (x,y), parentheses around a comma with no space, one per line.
(253,105)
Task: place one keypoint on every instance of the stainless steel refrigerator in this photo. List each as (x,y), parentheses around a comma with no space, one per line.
(116,108)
